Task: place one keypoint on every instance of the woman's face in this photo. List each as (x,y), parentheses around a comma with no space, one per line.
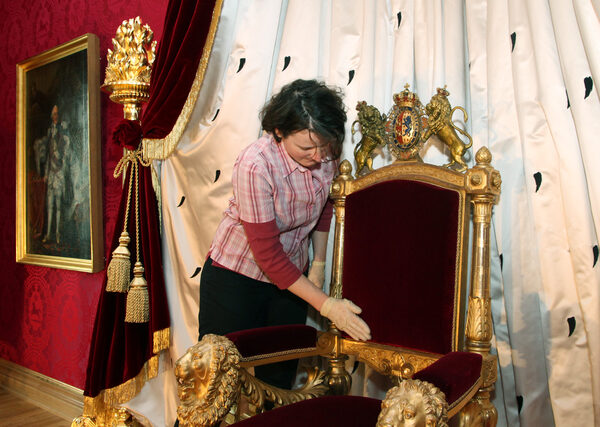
(306,148)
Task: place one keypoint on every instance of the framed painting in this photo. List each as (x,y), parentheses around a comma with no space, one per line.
(59,182)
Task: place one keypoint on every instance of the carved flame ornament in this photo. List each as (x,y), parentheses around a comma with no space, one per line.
(129,66)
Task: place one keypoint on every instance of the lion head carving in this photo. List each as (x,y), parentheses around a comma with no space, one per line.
(438,110)
(414,403)
(208,380)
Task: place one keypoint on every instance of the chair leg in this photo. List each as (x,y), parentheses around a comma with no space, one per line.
(338,379)
(480,411)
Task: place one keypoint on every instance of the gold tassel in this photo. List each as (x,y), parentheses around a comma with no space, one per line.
(119,269)
(138,306)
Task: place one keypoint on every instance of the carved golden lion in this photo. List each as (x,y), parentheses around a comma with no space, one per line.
(413,403)
(440,123)
(208,381)
(372,127)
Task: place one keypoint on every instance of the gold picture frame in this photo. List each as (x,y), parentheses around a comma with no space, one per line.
(59,183)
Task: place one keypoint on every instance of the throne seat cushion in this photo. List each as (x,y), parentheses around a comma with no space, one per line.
(455,374)
(403,236)
(273,339)
(327,411)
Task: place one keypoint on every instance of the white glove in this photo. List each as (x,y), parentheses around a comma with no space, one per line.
(343,313)
(316,273)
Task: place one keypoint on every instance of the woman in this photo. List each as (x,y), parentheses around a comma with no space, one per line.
(280,191)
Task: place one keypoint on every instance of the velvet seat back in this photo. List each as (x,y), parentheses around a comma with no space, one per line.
(400,264)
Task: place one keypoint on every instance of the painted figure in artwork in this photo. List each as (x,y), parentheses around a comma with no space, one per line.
(51,158)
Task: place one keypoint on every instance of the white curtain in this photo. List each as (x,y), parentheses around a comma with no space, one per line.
(525,72)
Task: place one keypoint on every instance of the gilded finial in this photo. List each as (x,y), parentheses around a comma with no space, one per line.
(483,156)
(129,66)
(345,168)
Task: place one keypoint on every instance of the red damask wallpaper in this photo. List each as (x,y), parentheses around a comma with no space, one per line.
(47,314)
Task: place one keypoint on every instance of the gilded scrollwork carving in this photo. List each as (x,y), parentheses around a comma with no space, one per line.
(489,369)
(257,392)
(414,403)
(391,362)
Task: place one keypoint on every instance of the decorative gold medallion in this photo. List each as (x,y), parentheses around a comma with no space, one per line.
(404,126)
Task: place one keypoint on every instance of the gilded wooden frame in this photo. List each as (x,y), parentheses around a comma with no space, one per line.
(59,183)
(345,185)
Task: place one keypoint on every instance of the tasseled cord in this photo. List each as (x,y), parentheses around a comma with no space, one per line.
(119,270)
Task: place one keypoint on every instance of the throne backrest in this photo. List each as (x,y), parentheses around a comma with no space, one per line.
(400,253)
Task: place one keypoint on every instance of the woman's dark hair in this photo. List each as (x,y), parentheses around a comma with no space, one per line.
(307,104)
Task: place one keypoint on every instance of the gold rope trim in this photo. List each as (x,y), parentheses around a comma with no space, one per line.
(161,340)
(277,354)
(160,149)
(465,394)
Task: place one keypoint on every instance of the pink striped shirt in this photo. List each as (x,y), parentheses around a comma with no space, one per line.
(268,185)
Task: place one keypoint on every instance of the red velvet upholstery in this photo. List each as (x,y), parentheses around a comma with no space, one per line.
(455,374)
(327,411)
(271,339)
(415,226)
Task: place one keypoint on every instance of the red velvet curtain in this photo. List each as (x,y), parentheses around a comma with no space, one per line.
(186,28)
(119,350)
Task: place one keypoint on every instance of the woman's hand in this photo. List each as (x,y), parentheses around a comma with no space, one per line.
(344,313)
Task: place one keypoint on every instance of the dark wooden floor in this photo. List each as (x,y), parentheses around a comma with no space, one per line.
(18,412)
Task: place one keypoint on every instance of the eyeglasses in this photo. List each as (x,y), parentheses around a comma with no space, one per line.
(324,150)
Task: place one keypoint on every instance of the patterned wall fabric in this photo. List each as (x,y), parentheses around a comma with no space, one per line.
(47,314)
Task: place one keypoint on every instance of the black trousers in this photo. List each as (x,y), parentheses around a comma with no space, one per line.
(231,302)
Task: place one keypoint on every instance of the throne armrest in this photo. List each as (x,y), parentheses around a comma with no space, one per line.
(271,344)
(214,383)
(457,374)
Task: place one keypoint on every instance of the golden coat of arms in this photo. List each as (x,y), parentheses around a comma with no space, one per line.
(406,127)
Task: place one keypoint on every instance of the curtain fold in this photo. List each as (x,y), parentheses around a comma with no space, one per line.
(122,355)
(186,29)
